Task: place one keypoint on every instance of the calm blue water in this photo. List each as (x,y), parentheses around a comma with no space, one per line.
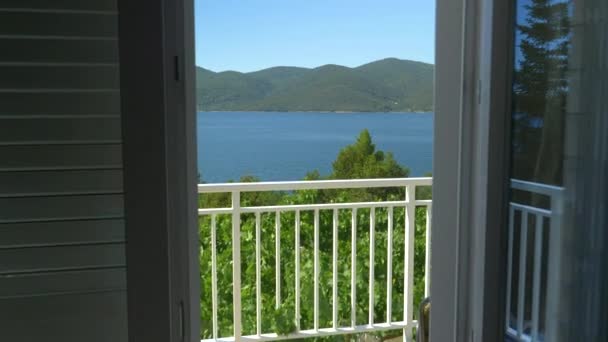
(284,146)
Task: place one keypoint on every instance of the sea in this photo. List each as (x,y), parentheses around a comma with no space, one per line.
(275,146)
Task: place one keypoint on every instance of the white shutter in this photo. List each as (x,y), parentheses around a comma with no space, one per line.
(62,249)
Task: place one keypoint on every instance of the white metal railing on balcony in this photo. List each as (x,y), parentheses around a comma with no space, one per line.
(525,324)
(409,203)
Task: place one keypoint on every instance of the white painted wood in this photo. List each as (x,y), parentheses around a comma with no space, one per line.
(297,272)
(427,256)
(258,273)
(316,271)
(516,329)
(236,263)
(312,185)
(538,254)
(277,266)
(312,333)
(214,298)
(372,263)
(521,287)
(410,229)
(509,284)
(334,288)
(353,270)
(389,266)
(409,204)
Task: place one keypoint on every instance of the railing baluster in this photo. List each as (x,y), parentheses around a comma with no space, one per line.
(554,257)
(410,229)
(214,275)
(259,211)
(509,267)
(353,274)
(372,252)
(236,263)
(538,253)
(277,224)
(389,267)
(297,275)
(258,273)
(316,271)
(335,270)
(521,288)
(427,246)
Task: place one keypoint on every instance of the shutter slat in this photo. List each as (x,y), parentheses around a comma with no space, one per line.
(93,317)
(60,182)
(63,157)
(62,228)
(58,77)
(60,233)
(86,104)
(58,51)
(21,24)
(97,5)
(15,210)
(40,131)
(43,259)
(65,282)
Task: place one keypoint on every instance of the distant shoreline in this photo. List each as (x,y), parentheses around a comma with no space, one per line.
(308,111)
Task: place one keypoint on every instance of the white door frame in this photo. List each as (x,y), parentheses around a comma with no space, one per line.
(470,168)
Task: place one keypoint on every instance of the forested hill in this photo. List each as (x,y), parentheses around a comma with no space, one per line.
(388,85)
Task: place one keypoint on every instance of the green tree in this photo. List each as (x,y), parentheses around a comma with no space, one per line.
(359,160)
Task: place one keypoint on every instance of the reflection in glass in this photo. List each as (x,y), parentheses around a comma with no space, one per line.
(558,214)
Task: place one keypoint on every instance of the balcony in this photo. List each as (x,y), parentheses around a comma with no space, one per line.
(536,220)
(387,227)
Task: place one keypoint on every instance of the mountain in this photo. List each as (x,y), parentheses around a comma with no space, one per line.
(388,85)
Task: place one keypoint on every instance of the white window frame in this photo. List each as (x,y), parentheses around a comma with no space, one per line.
(471,164)
(157,82)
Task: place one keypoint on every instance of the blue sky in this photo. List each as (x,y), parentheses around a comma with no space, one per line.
(249,35)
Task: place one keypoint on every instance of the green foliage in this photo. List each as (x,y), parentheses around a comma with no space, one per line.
(361,160)
(388,85)
(280,317)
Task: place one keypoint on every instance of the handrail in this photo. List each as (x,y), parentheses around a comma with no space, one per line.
(409,202)
(315,184)
(538,188)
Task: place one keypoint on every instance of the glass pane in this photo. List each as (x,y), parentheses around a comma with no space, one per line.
(557,259)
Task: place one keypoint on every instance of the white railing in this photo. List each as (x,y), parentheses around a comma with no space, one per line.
(407,322)
(549,217)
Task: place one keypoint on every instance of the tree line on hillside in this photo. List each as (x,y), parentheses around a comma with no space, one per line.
(388,85)
(359,160)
